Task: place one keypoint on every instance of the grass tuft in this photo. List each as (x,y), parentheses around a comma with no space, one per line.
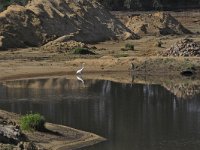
(82,51)
(127,47)
(31,122)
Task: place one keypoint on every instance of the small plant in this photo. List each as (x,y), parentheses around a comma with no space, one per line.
(158,44)
(129,46)
(31,122)
(83,51)
(121,55)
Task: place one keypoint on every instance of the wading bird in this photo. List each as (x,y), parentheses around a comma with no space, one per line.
(80,70)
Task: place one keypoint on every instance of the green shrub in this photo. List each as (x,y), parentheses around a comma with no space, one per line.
(121,55)
(31,122)
(129,46)
(83,51)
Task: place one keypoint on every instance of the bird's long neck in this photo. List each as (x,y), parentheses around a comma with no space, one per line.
(82,67)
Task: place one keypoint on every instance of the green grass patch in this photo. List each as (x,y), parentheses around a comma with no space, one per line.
(83,51)
(129,46)
(31,122)
(121,55)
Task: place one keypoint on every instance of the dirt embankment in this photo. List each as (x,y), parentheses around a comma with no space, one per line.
(159,23)
(41,21)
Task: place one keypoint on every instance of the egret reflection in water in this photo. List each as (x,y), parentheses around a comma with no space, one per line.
(80,79)
(139,117)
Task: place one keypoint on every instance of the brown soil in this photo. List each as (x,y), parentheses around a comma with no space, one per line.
(109,57)
(41,21)
(158,23)
(61,46)
(189,18)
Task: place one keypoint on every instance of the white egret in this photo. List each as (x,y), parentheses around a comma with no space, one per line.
(80,70)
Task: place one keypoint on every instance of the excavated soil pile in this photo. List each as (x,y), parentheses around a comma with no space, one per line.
(57,46)
(185,47)
(41,21)
(154,24)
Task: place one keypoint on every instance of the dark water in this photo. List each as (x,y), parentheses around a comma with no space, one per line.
(131,117)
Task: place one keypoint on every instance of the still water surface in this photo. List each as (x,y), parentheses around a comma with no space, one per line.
(131,117)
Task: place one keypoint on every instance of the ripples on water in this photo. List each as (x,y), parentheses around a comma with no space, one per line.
(131,117)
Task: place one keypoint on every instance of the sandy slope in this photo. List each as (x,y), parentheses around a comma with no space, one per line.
(41,21)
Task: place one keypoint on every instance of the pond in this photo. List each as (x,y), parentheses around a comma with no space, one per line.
(130,116)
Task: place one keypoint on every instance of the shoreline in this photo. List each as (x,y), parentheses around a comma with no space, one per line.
(106,65)
(64,138)
(105,68)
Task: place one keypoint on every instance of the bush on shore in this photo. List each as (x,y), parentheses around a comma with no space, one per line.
(32,122)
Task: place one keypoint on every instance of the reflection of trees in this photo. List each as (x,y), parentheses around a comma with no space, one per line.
(50,83)
(180,86)
(131,116)
(62,101)
(150,117)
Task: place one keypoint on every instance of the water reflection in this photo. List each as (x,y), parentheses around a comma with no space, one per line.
(182,87)
(80,79)
(184,90)
(138,117)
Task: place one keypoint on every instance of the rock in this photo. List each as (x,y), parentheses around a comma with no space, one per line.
(29,146)
(185,47)
(9,133)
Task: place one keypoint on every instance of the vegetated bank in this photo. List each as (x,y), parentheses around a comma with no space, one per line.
(42,136)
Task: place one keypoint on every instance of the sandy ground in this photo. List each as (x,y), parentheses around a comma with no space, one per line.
(33,62)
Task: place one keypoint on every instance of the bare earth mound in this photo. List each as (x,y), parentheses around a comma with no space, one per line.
(41,21)
(154,24)
(57,46)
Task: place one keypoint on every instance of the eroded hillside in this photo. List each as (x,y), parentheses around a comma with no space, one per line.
(41,21)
